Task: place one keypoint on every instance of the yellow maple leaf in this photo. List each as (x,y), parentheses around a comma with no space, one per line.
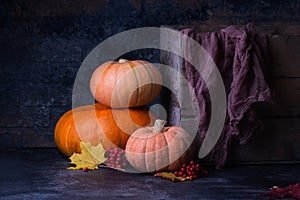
(90,156)
(171,176)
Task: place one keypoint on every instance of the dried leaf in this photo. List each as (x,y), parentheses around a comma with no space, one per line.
(291,191)
(90,156)
(171,176)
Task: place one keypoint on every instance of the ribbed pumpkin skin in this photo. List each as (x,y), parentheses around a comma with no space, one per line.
(127,84)
(65,134)
(87,124)
(153,152)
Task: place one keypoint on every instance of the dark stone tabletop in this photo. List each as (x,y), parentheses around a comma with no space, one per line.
(42,174)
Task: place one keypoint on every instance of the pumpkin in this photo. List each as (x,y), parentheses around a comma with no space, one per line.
(98,124)
(159,148)
(125,83)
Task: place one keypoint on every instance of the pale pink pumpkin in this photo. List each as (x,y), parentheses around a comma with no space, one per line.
(160,148)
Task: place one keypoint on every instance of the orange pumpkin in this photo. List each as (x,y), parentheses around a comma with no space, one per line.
(160,148)
(97,123)
(125,83)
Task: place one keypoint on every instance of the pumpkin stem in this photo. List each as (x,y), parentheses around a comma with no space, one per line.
(122,60)
(159,125)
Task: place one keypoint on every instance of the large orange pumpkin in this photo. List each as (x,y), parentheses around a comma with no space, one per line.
(97,123)
(125,83)
(159,148)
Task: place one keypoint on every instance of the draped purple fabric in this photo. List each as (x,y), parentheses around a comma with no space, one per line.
(241,56)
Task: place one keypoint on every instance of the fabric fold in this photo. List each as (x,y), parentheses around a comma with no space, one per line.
(241,56)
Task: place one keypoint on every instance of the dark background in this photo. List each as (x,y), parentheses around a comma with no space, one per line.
(42,45)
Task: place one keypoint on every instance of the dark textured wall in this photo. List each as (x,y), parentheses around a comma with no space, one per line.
(42,45)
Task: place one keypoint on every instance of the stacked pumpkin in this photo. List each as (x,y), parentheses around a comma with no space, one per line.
(120,119)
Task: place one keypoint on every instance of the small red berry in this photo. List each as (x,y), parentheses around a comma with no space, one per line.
(192,163)
(180,173)
(85,169)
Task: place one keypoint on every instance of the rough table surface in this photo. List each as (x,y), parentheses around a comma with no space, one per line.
(42,174)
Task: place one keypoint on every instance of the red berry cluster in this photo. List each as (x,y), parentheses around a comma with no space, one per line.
(191,170)
(116,158)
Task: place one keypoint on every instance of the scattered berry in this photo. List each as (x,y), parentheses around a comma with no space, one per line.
(85,169)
